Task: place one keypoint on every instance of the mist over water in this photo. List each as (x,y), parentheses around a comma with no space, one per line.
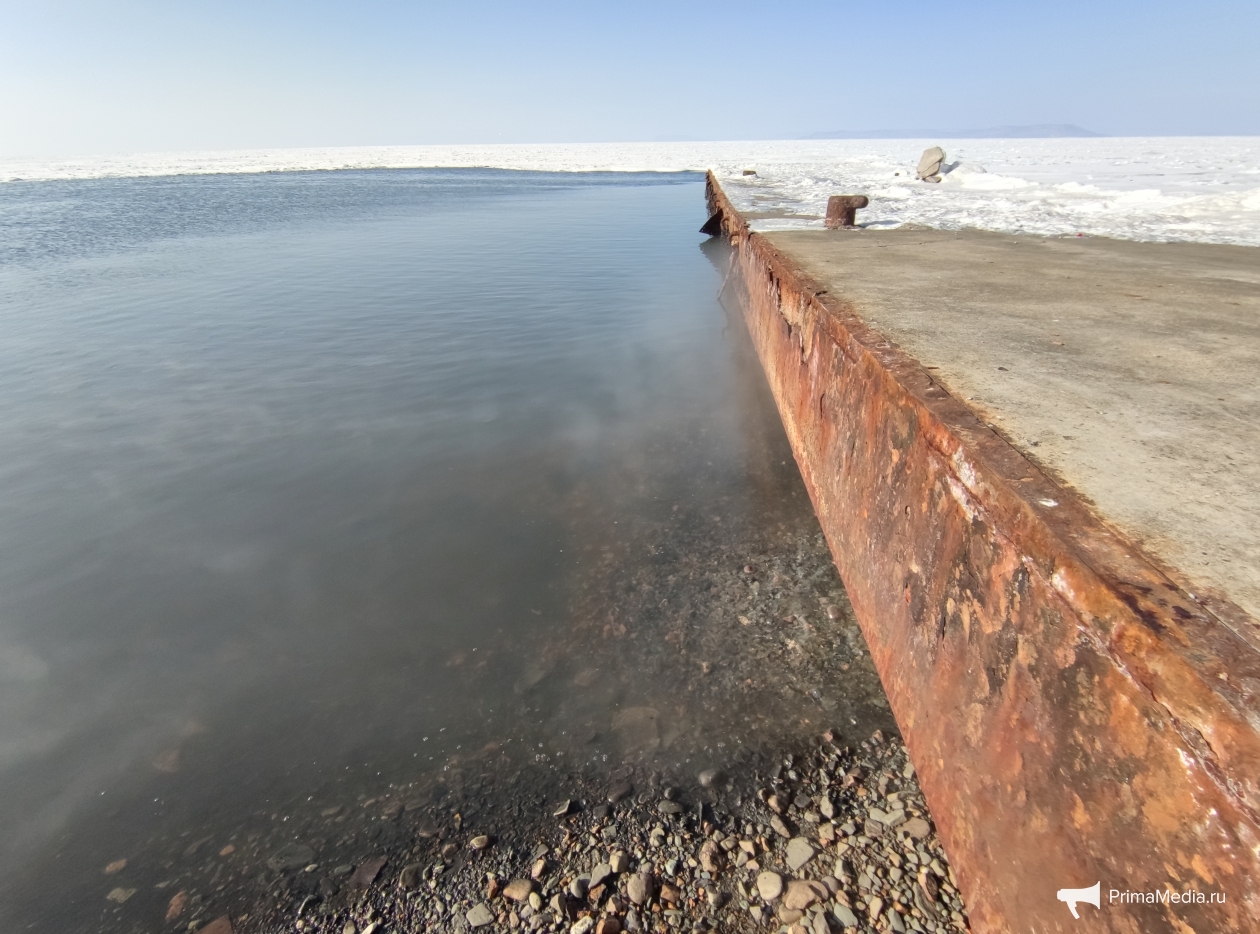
(318,482)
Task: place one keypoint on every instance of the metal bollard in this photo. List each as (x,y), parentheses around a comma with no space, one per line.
(842,210)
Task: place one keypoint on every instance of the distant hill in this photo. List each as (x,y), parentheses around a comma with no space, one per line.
(1036,131)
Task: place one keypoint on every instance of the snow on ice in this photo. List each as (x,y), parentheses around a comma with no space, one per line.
(1203,189)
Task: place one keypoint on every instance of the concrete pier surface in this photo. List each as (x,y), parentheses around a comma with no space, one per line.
(1037,465)
(1129,371)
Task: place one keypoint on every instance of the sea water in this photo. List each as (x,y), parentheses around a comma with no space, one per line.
(318,484)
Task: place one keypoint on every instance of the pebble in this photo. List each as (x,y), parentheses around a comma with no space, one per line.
(639,888)
(620,792)
(411,876)
(712,859)
(712,778)
(479,916)
(600,874)
(917,828)
(844,914)
(769,886)
(875,908)
(799,852)
(619,862)
(175,907)
(518,890)
(801,894)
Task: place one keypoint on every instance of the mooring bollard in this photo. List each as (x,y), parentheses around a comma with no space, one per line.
(842,210)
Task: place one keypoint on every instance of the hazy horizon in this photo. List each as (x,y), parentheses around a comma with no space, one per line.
(79,78)
(85,158)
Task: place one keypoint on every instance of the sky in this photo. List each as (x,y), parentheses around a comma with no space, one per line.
(83,78)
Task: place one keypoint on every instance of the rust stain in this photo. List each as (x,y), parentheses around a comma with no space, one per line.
(1072,714)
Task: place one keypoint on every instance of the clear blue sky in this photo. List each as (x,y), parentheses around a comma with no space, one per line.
(81,77)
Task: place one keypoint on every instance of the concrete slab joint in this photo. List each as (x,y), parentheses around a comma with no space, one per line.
(1074,715)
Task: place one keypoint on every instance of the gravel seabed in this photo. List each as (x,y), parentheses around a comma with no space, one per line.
(694,829)
(835,837)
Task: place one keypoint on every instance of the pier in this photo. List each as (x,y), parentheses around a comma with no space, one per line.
(1037,464)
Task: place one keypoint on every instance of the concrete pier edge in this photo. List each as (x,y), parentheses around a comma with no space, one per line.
(1075,716)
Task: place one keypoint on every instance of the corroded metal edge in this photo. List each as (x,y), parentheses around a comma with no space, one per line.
(1073,714)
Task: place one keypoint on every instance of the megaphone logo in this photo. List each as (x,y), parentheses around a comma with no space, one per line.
(1093,895)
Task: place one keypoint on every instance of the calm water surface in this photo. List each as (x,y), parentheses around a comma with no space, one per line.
(315,481)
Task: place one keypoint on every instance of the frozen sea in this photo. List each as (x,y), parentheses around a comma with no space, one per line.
(1204,189)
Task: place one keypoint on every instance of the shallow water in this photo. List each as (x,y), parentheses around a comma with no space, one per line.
(319,483)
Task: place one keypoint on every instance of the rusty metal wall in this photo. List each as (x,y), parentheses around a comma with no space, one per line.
(1073,715)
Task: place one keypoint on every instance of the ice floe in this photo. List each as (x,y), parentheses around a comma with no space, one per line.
(1162,188)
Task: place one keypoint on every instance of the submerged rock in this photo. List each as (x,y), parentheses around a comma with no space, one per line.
(290,856)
